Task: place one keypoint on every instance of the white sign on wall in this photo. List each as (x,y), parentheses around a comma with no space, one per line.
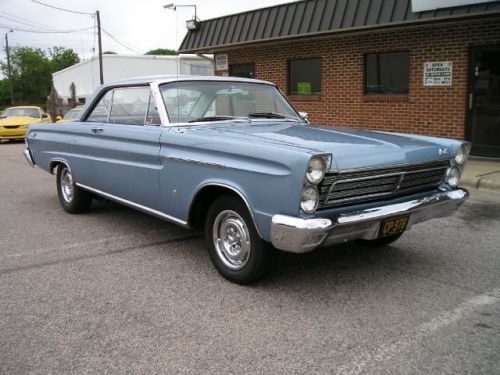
(221,62)
(438,73)
(423,5)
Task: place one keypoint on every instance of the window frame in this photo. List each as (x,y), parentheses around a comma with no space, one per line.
(313,94)
(103,93)
(365,74)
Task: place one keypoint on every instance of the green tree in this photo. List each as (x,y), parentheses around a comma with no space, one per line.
(109,53)
(162,52)
(62,58)
(30,72)
(4,93)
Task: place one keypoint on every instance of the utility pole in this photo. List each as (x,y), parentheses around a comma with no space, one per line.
(8,66)
(99,42)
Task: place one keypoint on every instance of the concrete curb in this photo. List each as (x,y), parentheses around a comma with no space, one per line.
(481,183)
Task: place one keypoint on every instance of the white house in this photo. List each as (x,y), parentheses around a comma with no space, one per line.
(85,75)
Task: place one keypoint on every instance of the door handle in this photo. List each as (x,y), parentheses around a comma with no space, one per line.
(96,130)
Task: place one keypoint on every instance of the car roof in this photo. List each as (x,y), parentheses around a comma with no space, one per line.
(25,107)
(175,78)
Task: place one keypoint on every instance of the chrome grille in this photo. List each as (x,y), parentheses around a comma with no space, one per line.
(357,187)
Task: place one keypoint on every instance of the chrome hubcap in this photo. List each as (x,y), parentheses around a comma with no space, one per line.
(67,185)
(231,239)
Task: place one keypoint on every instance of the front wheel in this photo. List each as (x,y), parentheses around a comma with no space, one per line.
(235,248)
(72,198)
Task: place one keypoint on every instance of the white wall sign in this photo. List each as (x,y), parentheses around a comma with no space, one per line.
(423,5)
(221,62)
(438,73)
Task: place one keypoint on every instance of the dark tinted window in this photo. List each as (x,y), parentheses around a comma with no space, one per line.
(387,73)
(242,70)
(304,77)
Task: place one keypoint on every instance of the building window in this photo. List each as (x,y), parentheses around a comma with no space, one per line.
(387,73)
(304,77)
(242,70)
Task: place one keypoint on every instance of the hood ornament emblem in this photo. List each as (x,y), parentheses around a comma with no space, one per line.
(443,151)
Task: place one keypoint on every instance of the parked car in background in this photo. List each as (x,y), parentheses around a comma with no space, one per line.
(14,121)
(232,156)
(71,115)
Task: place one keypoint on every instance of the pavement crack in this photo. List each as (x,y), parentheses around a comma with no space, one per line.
(91,256)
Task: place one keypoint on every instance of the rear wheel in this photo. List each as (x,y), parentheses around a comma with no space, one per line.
(72,198)
(381,241)
(235,248)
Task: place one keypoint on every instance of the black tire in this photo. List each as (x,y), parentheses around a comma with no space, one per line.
(257,256)
(381,241)
(73,199)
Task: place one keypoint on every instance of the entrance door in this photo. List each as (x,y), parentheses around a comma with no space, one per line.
(483,115)
(242,70)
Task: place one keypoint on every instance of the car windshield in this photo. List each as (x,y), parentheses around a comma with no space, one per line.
(201,101)
(71,114)
(30,112)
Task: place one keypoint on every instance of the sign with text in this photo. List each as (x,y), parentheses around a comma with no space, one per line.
(438,73)
(221,62)
(423,5)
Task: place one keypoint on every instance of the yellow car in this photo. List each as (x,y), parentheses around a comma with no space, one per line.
(14,121)
(71,115)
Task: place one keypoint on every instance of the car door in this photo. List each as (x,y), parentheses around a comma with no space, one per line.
(123,136)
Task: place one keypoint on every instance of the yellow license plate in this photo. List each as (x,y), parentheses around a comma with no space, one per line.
(393,225)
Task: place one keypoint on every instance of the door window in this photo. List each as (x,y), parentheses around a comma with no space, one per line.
(101,111)
(130,106)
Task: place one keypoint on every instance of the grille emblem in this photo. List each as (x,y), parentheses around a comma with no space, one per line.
(400,181)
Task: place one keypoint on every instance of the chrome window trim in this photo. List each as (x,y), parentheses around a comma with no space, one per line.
(134,205)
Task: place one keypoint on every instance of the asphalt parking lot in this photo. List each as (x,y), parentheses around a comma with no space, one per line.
(117,291)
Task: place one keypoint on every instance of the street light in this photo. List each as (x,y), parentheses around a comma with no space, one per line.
(192,24)
(8,66)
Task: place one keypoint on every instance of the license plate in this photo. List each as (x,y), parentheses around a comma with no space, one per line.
(393,225)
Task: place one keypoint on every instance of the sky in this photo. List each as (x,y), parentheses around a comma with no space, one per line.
(140,25)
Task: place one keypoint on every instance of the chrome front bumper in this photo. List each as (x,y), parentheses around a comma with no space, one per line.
(299,235)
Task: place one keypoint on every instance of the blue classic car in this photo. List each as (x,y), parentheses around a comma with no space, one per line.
(234,157)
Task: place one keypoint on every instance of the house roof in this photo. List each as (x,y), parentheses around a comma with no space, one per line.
(308,18)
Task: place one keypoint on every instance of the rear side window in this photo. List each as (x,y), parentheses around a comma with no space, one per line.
(128,106)
(101,111)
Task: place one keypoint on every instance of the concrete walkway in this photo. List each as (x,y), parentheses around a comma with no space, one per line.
(482,174)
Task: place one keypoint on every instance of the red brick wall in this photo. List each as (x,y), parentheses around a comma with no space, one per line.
(438,111)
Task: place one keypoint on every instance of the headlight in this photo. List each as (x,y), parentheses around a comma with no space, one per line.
(309,199)
(461,156)
(453,176)
(316,169)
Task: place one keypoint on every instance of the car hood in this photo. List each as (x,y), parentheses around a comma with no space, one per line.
(351,148)
(18,120)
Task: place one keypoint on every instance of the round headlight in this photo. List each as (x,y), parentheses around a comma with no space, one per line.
(461,156)
(453,176)
(309,199)
(316,170)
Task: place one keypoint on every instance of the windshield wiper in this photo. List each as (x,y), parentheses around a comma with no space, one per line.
(272,115)
(214,118)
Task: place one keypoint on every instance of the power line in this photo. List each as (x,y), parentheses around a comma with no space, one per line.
(24,21)
(123,44)
(15,28)
(62,9)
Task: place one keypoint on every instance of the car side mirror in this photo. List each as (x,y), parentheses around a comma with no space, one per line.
(45,115)
(305,116)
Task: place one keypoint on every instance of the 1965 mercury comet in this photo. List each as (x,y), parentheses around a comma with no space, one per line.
(234,157)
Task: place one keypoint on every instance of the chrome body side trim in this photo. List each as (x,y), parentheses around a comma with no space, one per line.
(206,163)
(298,235)
(134,205)
(29,159)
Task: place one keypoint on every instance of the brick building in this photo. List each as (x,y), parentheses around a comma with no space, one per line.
(377,64)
